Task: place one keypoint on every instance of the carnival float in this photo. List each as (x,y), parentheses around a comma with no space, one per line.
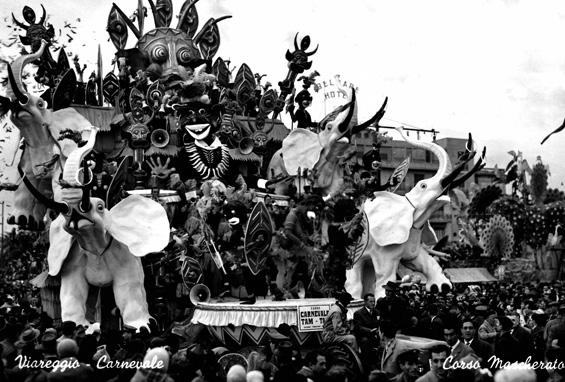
(171,189)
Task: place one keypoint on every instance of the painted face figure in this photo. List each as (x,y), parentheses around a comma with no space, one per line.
(195,117)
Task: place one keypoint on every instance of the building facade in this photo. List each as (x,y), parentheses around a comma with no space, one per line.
(423,165)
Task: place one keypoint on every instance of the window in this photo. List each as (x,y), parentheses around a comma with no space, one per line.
(419,155)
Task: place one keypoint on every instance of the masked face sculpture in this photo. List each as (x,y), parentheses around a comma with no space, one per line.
(171,55)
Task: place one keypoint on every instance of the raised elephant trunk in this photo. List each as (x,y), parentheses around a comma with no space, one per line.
(437,150)
(16,89)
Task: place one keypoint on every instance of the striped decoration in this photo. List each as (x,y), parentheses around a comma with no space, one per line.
(208,163)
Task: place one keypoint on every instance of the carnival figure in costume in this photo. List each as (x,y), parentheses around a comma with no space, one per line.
(204,157)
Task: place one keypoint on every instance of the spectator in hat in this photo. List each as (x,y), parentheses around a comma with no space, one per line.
(408,363)
(70,369)
(28,341)
(48,346)
(336,328)
(392,306)
(506,347)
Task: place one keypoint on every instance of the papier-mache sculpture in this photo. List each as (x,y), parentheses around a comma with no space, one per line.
(93,245)
(396,223)
(303,149)
(40,123)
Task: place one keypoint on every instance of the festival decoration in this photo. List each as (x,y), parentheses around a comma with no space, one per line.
(45,147)
(170,127)
(557,130)
(512,210)
(396,222)
(258,236)
(554,195)
(538,183)
(100,247)
(305,150)
(497,238)
(483,200)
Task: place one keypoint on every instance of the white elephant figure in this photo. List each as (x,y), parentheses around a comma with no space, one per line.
(102,248)
(396,223)
(40,125)
(320,152)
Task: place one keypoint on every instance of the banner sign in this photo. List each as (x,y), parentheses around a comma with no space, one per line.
(311,317)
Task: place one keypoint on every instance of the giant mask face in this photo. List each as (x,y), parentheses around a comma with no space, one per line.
(171,53)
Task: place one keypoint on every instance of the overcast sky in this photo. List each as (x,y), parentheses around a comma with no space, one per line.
(495,68)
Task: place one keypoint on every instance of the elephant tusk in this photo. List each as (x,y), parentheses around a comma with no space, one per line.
(439,254)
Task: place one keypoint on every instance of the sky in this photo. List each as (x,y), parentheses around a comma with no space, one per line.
(494,68)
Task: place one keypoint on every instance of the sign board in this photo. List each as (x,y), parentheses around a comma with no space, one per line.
(311,317)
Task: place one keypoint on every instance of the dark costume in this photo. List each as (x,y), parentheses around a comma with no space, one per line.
(301,116)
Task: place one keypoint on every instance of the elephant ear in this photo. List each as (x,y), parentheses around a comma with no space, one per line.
(390,218)
(301,148)
(60,243)
(140,223)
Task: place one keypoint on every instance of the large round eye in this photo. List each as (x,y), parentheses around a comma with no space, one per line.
(42,104)
(184,56)
(100,207)
(160,53)
(423,186)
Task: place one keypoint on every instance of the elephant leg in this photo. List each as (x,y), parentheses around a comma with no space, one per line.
(426,264)
(74,290)
(385,266)
(129,292)
(354,280)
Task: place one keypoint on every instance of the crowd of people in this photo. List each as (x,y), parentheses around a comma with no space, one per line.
(487,326)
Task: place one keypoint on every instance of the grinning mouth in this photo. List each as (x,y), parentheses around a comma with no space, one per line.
(198,131)
(233,221)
